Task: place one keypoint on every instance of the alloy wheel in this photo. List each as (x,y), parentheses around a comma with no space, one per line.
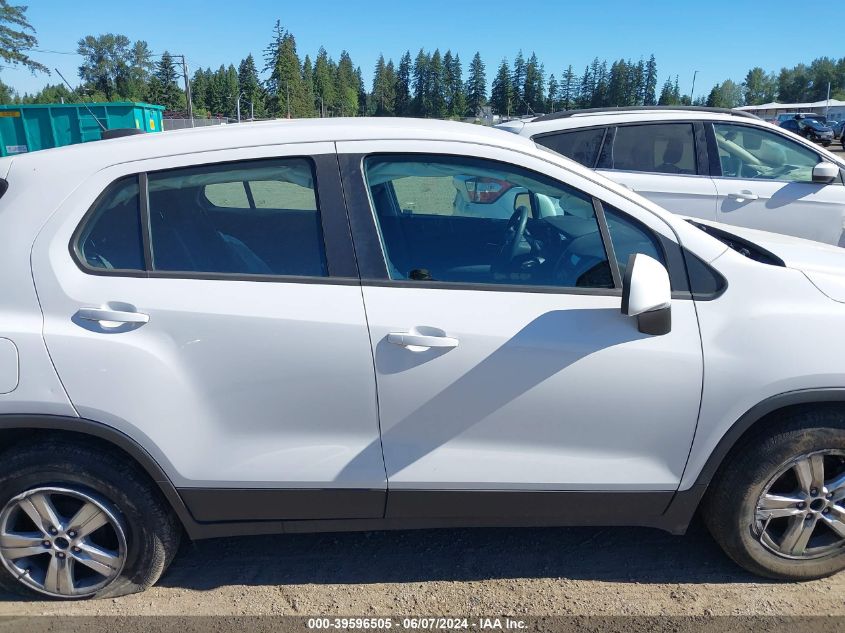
(801,512)
(61,542)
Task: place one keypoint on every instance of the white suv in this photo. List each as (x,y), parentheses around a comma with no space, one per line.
(715,164)
(332,325)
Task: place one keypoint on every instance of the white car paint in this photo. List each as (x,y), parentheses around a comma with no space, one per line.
(809,210)
(236,383)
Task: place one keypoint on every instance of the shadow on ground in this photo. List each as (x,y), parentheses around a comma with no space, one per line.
(606,554)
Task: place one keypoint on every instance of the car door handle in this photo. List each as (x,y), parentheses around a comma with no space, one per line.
(116,316)
(412,339)
(743,195)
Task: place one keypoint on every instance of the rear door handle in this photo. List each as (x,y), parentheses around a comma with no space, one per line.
(743,195)
(115,316)
(412,339)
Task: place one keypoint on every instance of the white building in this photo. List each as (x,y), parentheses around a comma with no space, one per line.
(833,109)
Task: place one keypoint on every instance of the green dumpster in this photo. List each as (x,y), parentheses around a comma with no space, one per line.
(26,128)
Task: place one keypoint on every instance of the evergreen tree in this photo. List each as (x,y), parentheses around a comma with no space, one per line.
(456,103)
(476,88)
(325,93)
(362,92)
(552,99)
(436,87)
(533,89)
(650,87)
(308,87)
(421,105)
(636,87)
(617,83)
(601,77)
(163,89)
(249,87)
(501,94)
(403,86)
(586,88)
(285,86)
(518,78)
(725,95)
(384,89)
(567,89)
(666,96)
(346,86)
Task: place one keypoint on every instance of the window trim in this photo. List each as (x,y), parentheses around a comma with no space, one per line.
(336,239)
(716,163)
(355,178)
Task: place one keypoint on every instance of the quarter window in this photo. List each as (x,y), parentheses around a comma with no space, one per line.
(111,239)
(666,148)
(751,152)
(256,217)
(477,221)
(580,145)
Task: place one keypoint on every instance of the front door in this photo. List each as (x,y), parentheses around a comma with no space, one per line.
(230,340)
(766,182)
(508,365)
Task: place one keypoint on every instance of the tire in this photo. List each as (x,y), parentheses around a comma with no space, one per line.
(776,463)
(134,546)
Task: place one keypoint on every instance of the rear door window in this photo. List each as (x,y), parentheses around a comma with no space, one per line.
(254,217)
(664,148)
(582,146)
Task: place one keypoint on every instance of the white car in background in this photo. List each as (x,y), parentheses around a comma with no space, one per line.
(710,163)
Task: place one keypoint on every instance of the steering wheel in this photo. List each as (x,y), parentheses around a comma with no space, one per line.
(514,232)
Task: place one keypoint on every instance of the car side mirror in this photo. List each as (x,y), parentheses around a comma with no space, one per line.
(825,173)
(647,295)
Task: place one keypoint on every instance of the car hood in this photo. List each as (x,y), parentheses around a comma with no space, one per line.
(823,264)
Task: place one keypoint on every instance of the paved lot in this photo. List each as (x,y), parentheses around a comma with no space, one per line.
(461,572)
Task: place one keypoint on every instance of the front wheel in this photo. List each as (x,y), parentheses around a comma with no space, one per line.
(777,507)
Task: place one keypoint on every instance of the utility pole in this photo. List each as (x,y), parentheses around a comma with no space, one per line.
(239,107)
(187,88)
(692,92)
(827,106)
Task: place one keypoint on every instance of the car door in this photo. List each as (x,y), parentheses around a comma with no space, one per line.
(663,162)
(765,181)
(210,309)
(506,378)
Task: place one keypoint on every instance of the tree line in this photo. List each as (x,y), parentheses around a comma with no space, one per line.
(427,84)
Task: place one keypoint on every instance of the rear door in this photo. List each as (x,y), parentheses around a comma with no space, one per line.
(663,162)
(764,180)
(210,309)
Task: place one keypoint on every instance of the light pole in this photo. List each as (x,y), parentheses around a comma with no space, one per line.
(692,92)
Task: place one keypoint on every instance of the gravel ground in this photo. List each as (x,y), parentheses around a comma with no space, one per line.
(572,571)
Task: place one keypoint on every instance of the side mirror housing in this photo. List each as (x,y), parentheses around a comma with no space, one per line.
(647,295)
(825,172)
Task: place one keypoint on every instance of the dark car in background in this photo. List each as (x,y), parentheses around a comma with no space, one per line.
(811,129)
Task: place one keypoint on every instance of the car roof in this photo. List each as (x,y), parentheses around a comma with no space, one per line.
(612,116)
(98,154)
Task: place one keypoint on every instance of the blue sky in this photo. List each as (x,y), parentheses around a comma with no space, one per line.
(719,38)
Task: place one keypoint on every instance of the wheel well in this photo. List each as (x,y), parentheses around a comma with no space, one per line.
(758,427)
(11,437)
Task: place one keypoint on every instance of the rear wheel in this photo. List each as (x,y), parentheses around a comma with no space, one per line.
(777,507)
(78,523)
